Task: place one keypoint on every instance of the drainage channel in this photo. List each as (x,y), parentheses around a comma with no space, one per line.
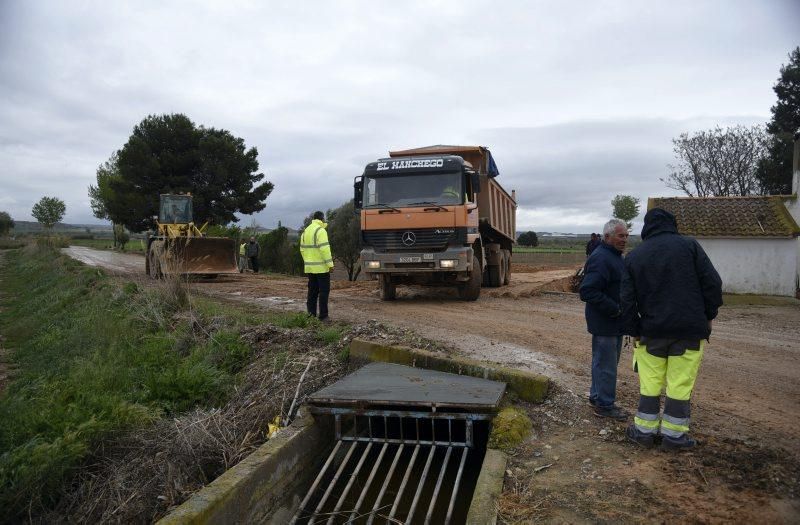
(408,446)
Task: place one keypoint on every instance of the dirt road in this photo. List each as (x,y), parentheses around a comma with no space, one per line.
(748,388)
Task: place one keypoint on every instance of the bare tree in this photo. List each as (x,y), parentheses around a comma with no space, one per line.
(718,162)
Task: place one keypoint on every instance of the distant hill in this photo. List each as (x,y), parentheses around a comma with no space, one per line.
(97,230)
(28,227)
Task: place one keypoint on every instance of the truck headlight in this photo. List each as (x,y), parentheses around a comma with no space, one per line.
(448,263)
(373,264)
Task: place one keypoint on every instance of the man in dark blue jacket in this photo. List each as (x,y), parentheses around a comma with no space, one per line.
(670,295)
(600,291)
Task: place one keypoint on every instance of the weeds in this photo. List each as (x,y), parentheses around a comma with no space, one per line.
(93,358)
(330,335)
(9,244)
(295,320)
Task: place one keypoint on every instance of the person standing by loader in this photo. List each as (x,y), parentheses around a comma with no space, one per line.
(670,295)
(242,257)
(252,254)
(318,263)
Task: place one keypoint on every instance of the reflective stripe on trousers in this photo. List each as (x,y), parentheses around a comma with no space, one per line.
(678,373)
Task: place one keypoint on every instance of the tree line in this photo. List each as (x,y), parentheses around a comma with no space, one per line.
(743,160)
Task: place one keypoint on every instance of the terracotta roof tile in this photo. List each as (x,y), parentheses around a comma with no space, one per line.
(755,216)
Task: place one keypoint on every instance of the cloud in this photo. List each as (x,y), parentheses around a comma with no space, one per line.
(577,105)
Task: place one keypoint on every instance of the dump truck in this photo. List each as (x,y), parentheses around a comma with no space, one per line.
(436,216)
(178,247)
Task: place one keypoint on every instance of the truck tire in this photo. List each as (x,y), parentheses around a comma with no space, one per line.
(507,263)
(471,290)
(388,288)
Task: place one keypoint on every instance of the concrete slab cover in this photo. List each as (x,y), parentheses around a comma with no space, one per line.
(391,384)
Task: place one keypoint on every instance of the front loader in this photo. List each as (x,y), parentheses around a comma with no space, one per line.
(178,247)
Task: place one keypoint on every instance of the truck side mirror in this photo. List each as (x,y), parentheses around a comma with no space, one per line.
(475,178)
(358,190)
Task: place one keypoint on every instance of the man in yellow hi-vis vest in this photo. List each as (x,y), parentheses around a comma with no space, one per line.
(318,263)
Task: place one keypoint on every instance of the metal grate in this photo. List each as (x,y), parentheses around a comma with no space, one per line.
(430,239)
(391,466)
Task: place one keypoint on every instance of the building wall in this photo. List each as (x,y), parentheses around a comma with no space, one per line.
(759,266)
(793,205)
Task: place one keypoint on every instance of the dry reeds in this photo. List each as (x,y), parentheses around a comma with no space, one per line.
(139,476)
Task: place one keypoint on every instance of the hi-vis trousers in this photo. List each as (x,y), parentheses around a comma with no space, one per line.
(673,363)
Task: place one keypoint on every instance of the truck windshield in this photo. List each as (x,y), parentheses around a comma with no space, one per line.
(414,190)
(175,209)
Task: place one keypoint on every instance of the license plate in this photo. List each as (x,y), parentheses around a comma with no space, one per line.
(410,259)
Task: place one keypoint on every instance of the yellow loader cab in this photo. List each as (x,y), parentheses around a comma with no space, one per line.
(180,247)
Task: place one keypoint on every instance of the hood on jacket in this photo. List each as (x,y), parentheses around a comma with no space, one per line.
(658,221)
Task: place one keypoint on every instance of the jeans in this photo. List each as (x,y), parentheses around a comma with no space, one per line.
(254,263)
(319,287)
(606,351)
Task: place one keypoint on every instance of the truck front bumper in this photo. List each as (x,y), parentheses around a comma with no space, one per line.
(454,259)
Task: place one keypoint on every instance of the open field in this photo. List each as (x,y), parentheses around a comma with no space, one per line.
(744,409)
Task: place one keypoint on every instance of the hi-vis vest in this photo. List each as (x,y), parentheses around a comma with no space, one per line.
(315,248)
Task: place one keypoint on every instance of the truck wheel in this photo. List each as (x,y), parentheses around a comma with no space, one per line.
(471,290)
(507,263)
(388,288)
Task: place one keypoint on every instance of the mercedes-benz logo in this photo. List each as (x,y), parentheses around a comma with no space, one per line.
(409,238)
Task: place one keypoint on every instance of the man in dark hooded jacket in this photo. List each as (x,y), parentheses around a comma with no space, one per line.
(600,291)
(670,293)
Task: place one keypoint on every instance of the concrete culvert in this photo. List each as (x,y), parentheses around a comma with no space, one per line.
(388,443)
(408,446)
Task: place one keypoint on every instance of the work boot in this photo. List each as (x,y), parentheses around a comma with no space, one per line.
(670,444)
(640,438)
(613,412)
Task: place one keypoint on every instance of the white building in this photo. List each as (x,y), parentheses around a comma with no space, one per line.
(753,242)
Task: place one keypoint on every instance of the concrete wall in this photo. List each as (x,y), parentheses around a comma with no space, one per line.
(268,485)
(793,205)
(758,266)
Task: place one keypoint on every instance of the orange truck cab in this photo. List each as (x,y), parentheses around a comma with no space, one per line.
(436,216)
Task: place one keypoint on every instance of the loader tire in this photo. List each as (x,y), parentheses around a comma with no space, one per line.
(471,290)
(154,265)
(388,288)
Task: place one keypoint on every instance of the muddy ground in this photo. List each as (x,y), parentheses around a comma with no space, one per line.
(745,408)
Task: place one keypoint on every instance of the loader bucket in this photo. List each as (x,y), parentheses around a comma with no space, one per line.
(202,255)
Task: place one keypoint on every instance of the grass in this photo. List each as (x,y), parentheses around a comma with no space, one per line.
(93,357)
(542,249)
(11,244)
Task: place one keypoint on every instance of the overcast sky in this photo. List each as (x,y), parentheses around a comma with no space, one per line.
(578,101)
